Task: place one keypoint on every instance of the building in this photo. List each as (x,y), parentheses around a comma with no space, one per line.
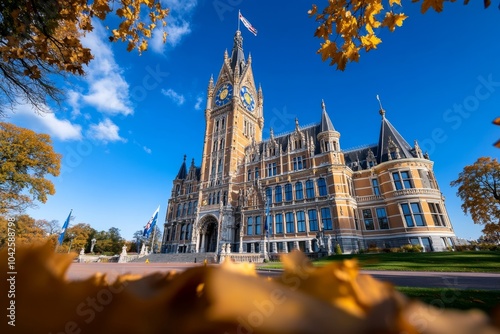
(301,187)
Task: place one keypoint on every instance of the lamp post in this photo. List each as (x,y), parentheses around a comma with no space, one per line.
(92,244)
(71,236)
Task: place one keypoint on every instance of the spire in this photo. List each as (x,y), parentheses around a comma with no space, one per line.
(181,175)
(381,110)
(326,123)
(237,55)
(391,145)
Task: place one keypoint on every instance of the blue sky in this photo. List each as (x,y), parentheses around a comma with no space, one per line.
(126,126)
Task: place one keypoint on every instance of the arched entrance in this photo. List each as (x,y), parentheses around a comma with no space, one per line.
(208,235)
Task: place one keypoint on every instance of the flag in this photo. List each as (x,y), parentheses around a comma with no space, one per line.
(248,25)
(151,223)
(65,226)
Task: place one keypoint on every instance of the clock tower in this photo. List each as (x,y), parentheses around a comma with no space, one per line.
(234,119)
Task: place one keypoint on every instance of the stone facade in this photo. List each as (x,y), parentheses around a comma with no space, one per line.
(300,187)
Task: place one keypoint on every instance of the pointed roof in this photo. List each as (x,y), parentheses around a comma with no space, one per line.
(326,124)
(181,175)
(237,55)
(390,138)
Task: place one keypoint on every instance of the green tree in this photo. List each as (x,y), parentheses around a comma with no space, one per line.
(479,189)
(25,159)
(39,38)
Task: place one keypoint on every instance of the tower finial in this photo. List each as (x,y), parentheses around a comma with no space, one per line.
(323,106)
(381,111)
(185,158)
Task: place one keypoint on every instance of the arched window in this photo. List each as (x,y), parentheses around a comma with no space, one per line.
(269,195)
(322,187)
(309,189)
(288,192)
(299,193)
(278,194)
(178,211)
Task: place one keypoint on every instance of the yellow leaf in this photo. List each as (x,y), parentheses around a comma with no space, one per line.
(392,20)
(392,2)
(370,41)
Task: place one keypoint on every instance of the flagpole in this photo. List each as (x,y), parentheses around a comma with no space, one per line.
(153,240)
(239,13)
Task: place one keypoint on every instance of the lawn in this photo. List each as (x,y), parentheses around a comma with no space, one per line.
(468,261)
(455,299)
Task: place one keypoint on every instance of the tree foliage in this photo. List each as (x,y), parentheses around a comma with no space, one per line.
(491,233)
(39,38)
(25,159)
(27,231)
(479,189)
(348,26)
(78,236)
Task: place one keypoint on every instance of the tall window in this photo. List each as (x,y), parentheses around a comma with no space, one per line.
(383,221)
(249,225)
(278,220)
(299,163)
(269,195)
(309,189)
(183,232)
(313,220)
(184,209)
(219,168)
(249,175)
(413,214)
(178,211)
(437,215)
(271,169)
(278,194)
(368,218)
(299,193)
(322,187)
(257,175)
(402,180)
(375,186)
(301,221)
(258,224)
(190,208)
(288,192)
(326,218)
(290,228)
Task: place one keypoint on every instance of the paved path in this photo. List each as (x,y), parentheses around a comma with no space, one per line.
(482,281)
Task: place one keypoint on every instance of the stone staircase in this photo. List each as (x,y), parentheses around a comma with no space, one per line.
(181,257)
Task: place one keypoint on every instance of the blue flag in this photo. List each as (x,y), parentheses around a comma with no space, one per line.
(151,223)
(64,228)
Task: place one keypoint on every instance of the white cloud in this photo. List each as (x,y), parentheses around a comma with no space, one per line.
(105,131)
(108,91)
(197,105)
(176,97)
(147,149)
(61,129)
(178,24)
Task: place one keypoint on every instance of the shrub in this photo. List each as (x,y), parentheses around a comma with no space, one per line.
(338,250)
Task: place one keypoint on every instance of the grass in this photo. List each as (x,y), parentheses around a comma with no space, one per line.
(454,298)
(469,261)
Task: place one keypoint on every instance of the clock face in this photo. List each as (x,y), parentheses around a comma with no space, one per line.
(247,98)
(224,94)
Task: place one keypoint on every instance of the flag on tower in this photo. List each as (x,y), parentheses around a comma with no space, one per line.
(64,228)
(151,223)
(248,25)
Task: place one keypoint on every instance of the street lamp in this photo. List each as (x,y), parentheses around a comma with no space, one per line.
(93,241)
(71,236)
